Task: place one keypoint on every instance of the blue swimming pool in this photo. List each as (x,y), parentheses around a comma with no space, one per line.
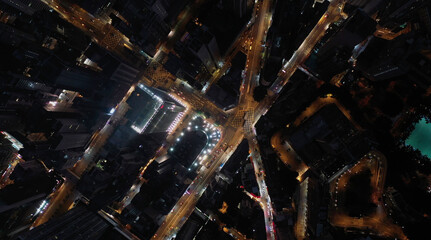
(420,138)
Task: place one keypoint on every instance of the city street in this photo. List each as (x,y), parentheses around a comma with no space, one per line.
(378,222)
(287,155)
(184,207)
(215,119)
(320,103)
(65,196)
(186,204)
(231,135)
(100,30)
(284,150)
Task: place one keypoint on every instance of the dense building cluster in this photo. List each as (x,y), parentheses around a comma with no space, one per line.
(215,119)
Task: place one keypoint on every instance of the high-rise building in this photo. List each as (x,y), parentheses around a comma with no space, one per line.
(152,110)
(6,152)
(238,7)
(9,147)
(159,8)
(27,6)
(395,15)
(145,23)
(76,79)
(124,73)
(32,183)
(199,53)
(310,201)
(328,142)
(78,223)
(169,111)
(25,197)
(94,6)
(333,55)
(10,121)
(203,44)
(405,55)
(58,138)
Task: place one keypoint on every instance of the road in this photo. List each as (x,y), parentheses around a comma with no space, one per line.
(186,204)
(170,142)
(377,222)
(177,217)
(320,103)
(286,72)
(283,149)
(232,137)
(66,194)
(113,40)
(183,19)
(262,23)
(110,38)
(288,155)
(237,46)
(231,231)
(263,18)
(264,199)
(193,98)
(4,178)
(99,30)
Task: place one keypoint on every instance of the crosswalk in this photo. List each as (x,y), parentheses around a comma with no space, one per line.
(238,120)
(249,122)
(111,39)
